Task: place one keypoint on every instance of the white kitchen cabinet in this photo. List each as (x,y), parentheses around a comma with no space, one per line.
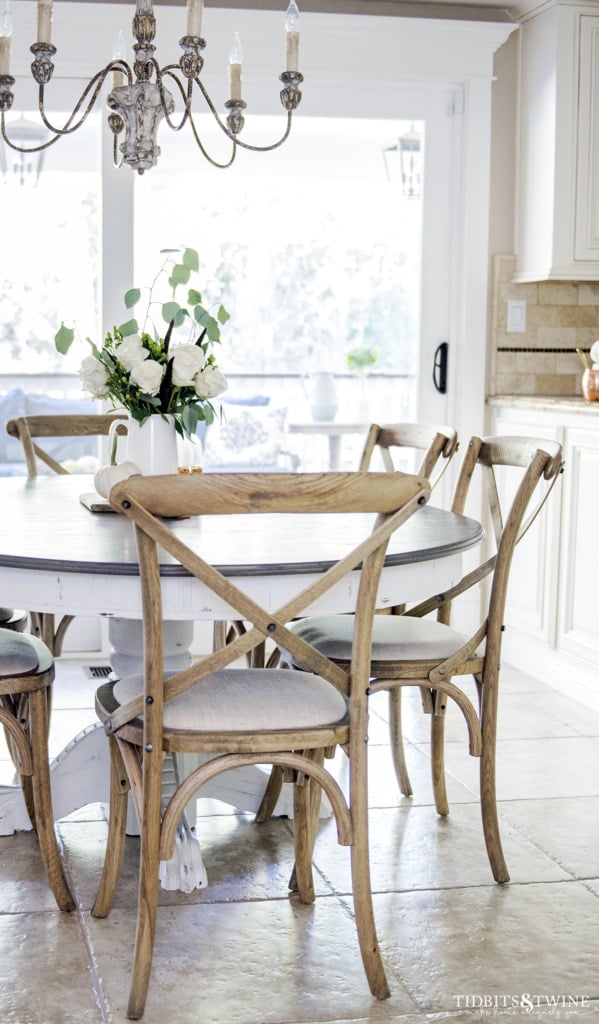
(558,163)
(552,621)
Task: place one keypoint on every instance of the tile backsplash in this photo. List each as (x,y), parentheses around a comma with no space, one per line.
(561,316)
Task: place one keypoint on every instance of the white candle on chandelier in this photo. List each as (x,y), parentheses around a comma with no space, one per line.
(292,37)
(119,52)
(44,21)
(5,34)
(4,55)
(195,10)
(235,59)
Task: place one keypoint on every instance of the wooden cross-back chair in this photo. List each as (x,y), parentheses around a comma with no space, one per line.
(30,430)
(413,650)
(26,675)
(247,715)
(434,442)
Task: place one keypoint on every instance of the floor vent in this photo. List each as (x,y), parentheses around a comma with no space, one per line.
(97,671)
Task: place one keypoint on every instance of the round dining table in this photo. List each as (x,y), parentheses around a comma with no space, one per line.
(58,557)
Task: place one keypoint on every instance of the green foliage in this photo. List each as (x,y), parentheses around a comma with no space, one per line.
(360,359)
(172,312)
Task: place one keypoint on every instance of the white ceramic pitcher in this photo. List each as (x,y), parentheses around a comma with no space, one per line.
(151,445)
(321,393)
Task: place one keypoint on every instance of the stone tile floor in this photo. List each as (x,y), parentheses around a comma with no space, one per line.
(457,946)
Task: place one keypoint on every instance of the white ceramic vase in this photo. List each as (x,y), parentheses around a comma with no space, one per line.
(322,395)
(151,445)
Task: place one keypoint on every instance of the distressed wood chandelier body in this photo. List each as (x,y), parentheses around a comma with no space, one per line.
(139,99)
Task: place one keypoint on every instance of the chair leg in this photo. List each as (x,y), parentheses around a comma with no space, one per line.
(115,842)
(396,738)
(438,763)
(271,795)
(145,932)
(42,799)
(361,884)
(302,880)
(488,798)
(306,811)
(149,867)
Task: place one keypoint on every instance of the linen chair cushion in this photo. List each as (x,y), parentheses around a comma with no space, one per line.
(394,637)
(237,700)
(19,655)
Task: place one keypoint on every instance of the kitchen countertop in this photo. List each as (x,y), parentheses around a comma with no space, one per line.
(546,403)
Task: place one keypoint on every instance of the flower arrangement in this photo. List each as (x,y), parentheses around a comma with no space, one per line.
(143,372)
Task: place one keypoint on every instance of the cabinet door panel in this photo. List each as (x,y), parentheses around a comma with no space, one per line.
(531,603)
(587,183)
(578,629)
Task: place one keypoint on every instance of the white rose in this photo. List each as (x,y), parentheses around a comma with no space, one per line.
(187,361)
(209,383)
(94,377)
(148,376)
(131,352)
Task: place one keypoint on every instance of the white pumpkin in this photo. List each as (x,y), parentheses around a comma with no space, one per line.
(108,476)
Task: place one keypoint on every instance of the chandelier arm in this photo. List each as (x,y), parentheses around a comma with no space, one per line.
(94,83)
(185,96)
(205,153)
(213,110)
(21,149)
(273,145)
(231,135)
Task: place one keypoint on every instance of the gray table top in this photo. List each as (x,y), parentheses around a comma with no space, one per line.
(44,527)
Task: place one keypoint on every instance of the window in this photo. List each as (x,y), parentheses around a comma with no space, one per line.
(50,257)
(311,248)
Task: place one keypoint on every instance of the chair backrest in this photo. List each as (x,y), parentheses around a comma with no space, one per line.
(393,497)
(511,511)
(26,428)
(435,442)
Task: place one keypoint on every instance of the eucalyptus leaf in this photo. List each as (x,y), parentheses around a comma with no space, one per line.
(201,316)
(132,297)
(191,259)
(128,328)
(169,311)
(194,297)
(190,417)
(63,339)
(180,274)
(213,330)
(222,316)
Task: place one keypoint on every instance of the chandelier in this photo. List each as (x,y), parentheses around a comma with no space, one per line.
(139,99)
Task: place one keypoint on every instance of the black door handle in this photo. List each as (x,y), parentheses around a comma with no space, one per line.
(440,367)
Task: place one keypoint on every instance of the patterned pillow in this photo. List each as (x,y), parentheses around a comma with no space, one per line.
(251,437)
